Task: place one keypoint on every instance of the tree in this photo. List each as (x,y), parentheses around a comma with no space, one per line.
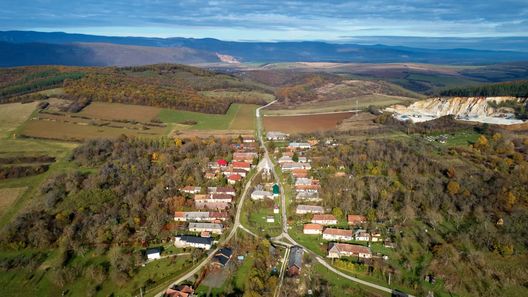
(453,187)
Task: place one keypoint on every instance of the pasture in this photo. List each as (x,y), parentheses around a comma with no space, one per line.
(12,115)
(305,123)
(8,196)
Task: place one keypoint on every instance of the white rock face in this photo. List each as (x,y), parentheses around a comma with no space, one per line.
(463,108)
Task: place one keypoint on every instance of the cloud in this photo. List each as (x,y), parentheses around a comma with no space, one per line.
(275,19)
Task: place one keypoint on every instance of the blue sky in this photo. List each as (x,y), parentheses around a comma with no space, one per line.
(270,20)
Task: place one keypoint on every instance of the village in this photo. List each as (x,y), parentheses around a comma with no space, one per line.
(329,233)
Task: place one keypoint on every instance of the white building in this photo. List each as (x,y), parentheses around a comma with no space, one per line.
(153,254)
(332,234)
(312,229)
(338,250)
(275,135)
(260,195)
(209,227)
(304,209)
(324,219)
(270,219)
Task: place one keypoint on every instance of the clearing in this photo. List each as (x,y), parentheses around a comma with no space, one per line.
(12,115)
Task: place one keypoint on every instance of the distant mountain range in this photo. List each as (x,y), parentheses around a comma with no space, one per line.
(18,48)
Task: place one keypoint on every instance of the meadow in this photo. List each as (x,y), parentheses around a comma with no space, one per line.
(305,123)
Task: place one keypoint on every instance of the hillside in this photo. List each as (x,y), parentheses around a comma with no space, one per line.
(171,86)
(72,49)
(514,88)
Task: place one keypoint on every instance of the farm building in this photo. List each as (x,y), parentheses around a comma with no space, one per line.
(338,250)
(259,195)
(222,257)
(295,165)
(338,234)
(324,219)
(304,209)
(153,253)
(185,216)
(210,227)
(193,241)
(299,145)
(248,139)
(356,219)
(299,173)
(276,135)
(312,229)
(295,261)
(217,206)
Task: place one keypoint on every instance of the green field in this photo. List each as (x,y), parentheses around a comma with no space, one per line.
(239,116)
(13,115)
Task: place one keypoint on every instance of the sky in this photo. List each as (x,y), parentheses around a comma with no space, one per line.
(270,20)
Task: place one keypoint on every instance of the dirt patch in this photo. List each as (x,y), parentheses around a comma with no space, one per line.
(117,111)
(305,123)
(8,196)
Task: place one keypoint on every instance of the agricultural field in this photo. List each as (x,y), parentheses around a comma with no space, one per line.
(305,123)
(238,117)
(8,196)
(118,111)
(13,115)
(359,102)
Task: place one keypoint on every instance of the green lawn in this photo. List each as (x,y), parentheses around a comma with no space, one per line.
(256,219)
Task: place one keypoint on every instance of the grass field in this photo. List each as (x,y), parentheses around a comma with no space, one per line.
(305,123)
(239,95)
(118,111)
(359,102)
(238,117)
(13,115)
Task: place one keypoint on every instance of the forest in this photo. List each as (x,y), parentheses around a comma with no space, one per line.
(120,198)
(458,213)
(513,88)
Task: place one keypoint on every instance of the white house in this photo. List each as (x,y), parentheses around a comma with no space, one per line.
(153,254)
(259,195)
(285,159)
(184,216)
(337,234)
(304,209)
(338,250)
(308,196)
(193,241)
(312,229)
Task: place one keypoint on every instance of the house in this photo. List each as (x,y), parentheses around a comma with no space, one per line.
(285,159)
(275,135)
(193,241)
(185,216)
(205,234)
(222,190)
(218,206)
(304,209)
(304,181)
(308,196)
(312,229)
(219,197)
(295,165)
(338,234)
(324,219)
(302,159)
(276,209)
(270,219)
(242,165)
(338,250)
(211,227)
(234,178)
(295,261)
(222,257)
(222,163)
(179,291)
(363,235)
(356,219)
(299,145)
(191,190)
(218,216)
(299,173)
(244,156)
(259,195)
(307,188)
(153,253)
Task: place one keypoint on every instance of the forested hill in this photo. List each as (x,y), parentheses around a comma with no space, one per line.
(514,89)
(163,85)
